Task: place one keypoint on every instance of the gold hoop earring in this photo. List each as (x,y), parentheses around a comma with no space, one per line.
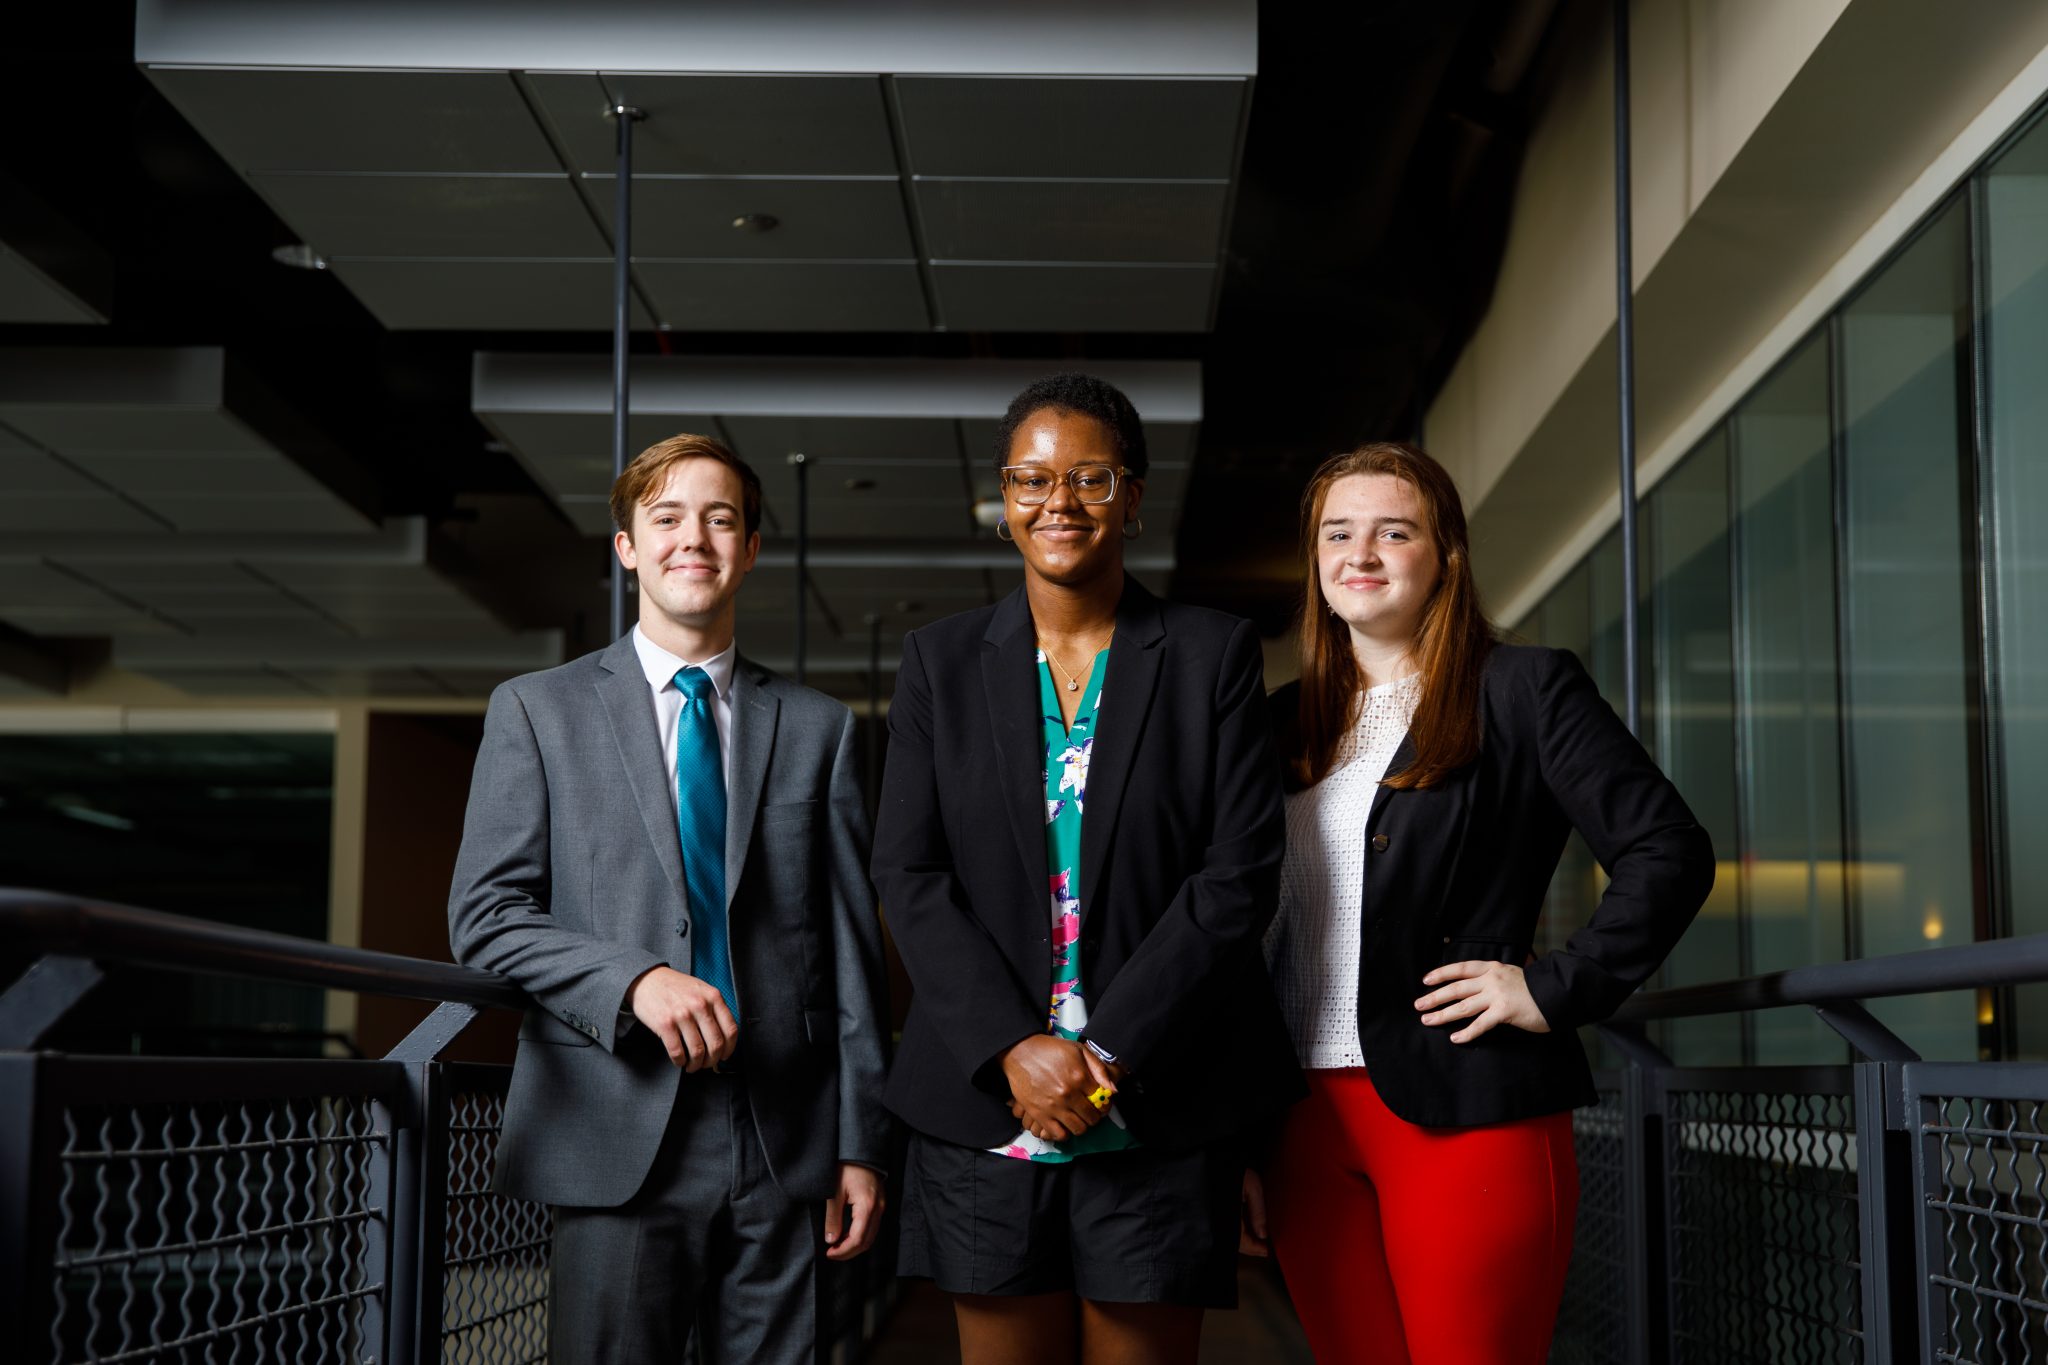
(1138,522)
(1003,530)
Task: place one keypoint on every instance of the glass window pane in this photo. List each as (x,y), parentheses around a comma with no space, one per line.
(1908,598)
(1691,677)
(2016,352)
(1791,865)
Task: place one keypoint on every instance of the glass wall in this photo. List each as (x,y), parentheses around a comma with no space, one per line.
(2015,325)
(1846,638)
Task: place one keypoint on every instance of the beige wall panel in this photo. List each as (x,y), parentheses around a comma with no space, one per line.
(1742,54)
(1526,420)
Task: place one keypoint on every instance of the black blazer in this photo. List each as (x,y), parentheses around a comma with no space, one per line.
(1180,858)
(1458,873)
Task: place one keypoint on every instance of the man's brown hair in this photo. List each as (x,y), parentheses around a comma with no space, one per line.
(644,477)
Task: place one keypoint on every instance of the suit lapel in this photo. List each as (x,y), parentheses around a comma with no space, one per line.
(1009,680)
(1404,754)
(1127,686)
(754,712)
(630,708)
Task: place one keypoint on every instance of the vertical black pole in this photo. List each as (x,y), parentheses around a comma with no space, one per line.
(1625,346)
(874,758)
(625,115)
(803,554)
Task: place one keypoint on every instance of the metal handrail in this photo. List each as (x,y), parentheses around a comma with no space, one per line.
(52,923)
(1964,966)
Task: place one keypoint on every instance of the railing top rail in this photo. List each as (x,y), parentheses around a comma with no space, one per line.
(105,932)
(1964,966)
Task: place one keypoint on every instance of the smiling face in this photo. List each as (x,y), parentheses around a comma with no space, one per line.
(1375,558)
(690,549)
(1064,540)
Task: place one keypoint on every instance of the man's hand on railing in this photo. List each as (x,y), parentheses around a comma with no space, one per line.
(687,1014)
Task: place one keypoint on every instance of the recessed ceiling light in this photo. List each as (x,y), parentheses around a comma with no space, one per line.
(988,511)
(298,256)
(757,222)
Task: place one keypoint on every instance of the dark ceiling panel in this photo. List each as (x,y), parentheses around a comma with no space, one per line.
(723,125)
(1072,298)
(1050,220)
(434,215)
(775,296)
(814,219)
(1137,129)
(514,296)
(29,295)
(313,120)
(832,441)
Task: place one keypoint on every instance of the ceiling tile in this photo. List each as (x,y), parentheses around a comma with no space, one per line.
(540,296)
(435,215)
(724,125)
(73,429)
(572,452)
(256,513)
(775,296)
(312,120)
(1118,129)
(1073,298)
(25,469)
(93,511)
(767,441)
(29,295)
(141,474)
(815,219)
(843,517)
(1052,220)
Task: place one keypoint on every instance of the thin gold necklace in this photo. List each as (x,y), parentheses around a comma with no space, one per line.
(1073,683)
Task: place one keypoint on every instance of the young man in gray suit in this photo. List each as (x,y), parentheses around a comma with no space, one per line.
(666,848)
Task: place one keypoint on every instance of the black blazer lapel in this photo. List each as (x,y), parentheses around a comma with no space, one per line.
(1009,680)
(630,709)
(1404,754)
(1134,660)
(754,712)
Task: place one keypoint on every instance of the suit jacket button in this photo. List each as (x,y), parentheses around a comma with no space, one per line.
(1379,843)
(682,928)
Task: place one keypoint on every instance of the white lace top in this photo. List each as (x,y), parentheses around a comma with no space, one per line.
(1313,944)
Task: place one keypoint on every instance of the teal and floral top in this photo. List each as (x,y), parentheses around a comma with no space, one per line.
(1066,790)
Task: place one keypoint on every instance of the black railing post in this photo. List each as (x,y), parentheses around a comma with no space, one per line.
(1885,1216)
(625,115)
(1647,1199)
(28,1227)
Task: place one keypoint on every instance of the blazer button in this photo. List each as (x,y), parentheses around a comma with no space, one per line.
(682,928)
(1379,843)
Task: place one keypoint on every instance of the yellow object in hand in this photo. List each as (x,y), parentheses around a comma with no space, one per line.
(1101,1097)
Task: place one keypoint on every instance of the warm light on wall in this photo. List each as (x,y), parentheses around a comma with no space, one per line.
(1930,924)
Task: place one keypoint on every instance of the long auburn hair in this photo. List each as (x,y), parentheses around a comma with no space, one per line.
(1451,643)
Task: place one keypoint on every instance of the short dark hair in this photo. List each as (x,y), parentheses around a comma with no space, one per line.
(643,479)
(1087,396)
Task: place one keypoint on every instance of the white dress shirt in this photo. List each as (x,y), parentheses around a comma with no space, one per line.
(1313,945)
(661,667)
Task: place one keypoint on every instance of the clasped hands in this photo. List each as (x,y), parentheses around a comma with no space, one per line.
(1051,1079)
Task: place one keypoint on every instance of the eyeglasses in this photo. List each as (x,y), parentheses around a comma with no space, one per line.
(1031,484)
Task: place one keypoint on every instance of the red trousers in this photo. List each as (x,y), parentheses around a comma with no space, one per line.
(1420,1246)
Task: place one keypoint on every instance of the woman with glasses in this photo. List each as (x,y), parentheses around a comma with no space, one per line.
(1421,1199)
(1077,850)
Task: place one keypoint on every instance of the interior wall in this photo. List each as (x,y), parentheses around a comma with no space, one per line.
(1767,140)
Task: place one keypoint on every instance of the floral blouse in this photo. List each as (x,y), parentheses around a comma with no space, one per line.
(1066,789)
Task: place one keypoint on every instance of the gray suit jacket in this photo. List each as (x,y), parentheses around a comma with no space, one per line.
(570,882)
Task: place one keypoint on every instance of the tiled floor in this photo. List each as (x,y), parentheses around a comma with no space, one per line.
(1262,1331)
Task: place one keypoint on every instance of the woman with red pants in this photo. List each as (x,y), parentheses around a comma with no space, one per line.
(1421,1199)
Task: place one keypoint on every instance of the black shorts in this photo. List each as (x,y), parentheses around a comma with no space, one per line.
(1135,1226)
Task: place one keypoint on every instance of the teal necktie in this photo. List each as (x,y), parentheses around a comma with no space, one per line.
(700,819)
